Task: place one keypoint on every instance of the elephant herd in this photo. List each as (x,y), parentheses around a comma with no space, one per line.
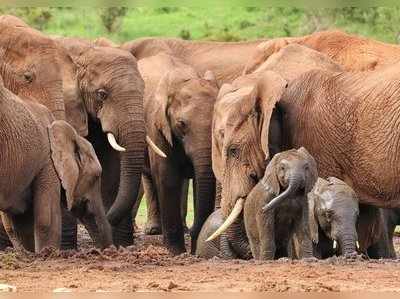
(293,144)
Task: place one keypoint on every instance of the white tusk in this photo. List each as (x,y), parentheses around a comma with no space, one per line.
(155,148)
(114,144)
(358,245)
(334,244)
(237,209)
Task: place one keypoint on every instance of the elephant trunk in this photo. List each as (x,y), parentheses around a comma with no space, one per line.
(347,244)
(131,164)
(238,239)
(97,225)
(296,181)
(204,186)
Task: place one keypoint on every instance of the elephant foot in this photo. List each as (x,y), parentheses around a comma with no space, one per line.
(152,229)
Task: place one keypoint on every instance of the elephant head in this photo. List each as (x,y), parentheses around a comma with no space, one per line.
(333,208)
(246,132)
(80,173)
(185,104)
(30,65)
(108,91)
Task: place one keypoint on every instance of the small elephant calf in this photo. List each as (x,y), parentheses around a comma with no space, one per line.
(333,211)
(277,207)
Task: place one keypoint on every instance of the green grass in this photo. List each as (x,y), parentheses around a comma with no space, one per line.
(213,23)
(142,213)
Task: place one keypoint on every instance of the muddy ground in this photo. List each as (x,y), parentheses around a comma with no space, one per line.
(147,266)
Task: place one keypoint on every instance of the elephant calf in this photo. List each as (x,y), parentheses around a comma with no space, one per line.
(35,155)
(277,207)
(339,225)
(220,246)
(333,214)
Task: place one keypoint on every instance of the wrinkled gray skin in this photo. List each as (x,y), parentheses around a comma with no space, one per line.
(333,216)
(218,247)
(103,92)
(277,207)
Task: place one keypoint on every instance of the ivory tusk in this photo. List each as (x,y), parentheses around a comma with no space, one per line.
(237,209)
(114,144)
(358,245)
(155,148)
(334,244)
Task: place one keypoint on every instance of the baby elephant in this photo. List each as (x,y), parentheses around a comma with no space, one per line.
(333,212)
(277,207)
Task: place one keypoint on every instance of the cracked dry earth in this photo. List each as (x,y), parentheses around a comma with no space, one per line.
(147,266)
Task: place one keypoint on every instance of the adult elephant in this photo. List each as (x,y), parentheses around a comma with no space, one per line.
(30,68)
(344,119)
(353,53)
(31,64)
(103,94)
(217,57)
(225,59)
(35,155)
(178,112)
(247,132)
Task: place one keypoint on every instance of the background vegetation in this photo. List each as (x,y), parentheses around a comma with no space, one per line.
(222,24)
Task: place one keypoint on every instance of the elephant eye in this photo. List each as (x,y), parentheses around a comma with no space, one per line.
(28,77)
(233,151)
(101,94)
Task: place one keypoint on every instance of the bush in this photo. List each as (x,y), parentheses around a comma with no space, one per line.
(112,17)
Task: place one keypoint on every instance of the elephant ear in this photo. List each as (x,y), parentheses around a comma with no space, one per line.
(313,169)
(74,159)
(312,198)
(163,97)
(270,179)
(164,94)
(270,87)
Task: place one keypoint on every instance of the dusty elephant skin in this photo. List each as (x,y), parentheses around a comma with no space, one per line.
(220,246)
(33,60)
(333,218)
(247,126)
(29,185)
(30,68)
(202,55)
(104,100)
(353,53)
(277,207)
(178,111)
(47,151)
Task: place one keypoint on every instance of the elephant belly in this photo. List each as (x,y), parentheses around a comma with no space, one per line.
(16,203)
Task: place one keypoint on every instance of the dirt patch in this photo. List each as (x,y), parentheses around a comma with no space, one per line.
(147,266)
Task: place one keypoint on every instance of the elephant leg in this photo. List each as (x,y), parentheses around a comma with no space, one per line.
(47,209)
(184,203)
(69,230)
(4,240)
(136,207)
(266,235)
(13,234)
(303,236)
(153,224)
(169,189)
